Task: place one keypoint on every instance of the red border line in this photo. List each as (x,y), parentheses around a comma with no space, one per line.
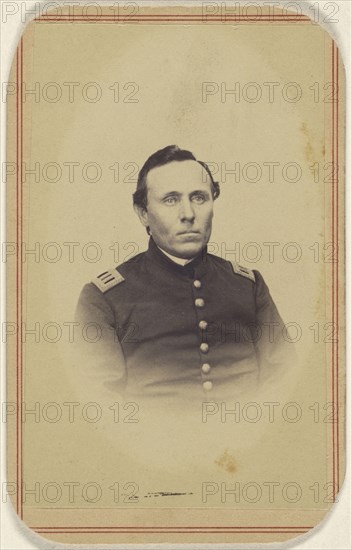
(333,266)
(19,277)
(204,17)
(337,268)
(173,16)
(140,19)
(19,295)
(170,531)
(17,300)
(335,271)
(21,273)
(176,527)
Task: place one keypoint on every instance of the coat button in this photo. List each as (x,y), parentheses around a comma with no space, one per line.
(204,348)
(206,368)
(197,283)
(202,325)
(208,385)
(199,302)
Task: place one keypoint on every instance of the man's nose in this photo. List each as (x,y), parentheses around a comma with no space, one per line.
(186,212)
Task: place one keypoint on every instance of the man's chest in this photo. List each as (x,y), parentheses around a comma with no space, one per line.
(212,303)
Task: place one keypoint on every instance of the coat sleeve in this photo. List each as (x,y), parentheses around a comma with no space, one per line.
(275,351)
(99,368)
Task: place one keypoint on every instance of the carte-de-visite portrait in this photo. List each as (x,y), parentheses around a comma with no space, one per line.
(175,256)
(187,326)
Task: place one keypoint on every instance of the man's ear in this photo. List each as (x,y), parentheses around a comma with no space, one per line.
(142,213)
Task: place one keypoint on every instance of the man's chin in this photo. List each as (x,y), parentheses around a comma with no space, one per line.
(188,250)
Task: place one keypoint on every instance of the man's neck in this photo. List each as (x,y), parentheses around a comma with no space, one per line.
(179,261)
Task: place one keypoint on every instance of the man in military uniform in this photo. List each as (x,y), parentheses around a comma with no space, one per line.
(176,321)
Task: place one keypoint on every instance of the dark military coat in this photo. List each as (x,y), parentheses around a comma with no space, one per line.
(207,330)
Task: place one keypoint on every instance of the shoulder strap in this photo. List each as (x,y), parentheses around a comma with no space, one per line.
(243,271)
(107,280)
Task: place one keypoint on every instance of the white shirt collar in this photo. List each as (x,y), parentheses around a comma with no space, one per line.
(179,261)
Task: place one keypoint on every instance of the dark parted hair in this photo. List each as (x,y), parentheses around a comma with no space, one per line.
(160,158)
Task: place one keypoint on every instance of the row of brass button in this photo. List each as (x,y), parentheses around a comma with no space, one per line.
(204,347)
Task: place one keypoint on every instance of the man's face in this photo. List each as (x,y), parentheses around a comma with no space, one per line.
(179,207)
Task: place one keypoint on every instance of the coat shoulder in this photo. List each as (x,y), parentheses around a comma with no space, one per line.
(234,268)
(110,278)
(243,271)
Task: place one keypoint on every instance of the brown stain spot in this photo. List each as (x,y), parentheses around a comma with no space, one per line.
(227,462)
(309,150)
(314,150)
(304,129)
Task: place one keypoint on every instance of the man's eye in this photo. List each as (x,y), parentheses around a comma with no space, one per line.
(170,201)
(198,199)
